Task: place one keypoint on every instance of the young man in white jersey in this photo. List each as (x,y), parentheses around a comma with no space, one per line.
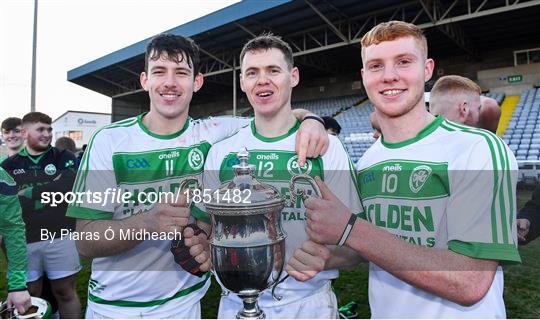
(267,77)
(438,196)
(148,155)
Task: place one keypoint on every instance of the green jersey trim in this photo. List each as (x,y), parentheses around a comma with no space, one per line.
(505,168)
(422,134)
(34,159)
(162,136)
(257,135)
(200,215)
(501,183)
(88,214)
(492,251)
(145,304)
(80,181)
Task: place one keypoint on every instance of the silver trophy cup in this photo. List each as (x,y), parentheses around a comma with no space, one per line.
(247,240)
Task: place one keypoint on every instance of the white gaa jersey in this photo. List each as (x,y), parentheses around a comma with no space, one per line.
(451,187)
(144,281)
(275,163)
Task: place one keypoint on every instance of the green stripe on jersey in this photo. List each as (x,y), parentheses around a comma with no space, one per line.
(80,181)
(140,304)
(502,188)
(88,214)
(491,251)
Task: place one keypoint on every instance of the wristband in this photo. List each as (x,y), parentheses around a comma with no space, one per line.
(314,118)
(347,230)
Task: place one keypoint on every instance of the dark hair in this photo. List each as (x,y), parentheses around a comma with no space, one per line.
(331,123)
(268,41)
(11,123)
(65,143)
(177,48)
(34,117)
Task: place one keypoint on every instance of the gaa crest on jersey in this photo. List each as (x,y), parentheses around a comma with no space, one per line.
(418,178)
(50,169)
(195,159)
(294,168)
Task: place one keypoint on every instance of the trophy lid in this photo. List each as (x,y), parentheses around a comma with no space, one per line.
(244,193)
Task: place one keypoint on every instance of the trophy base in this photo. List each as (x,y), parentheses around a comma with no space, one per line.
(250,315)
(251,307)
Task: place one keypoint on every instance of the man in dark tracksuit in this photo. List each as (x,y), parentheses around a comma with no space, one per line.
(40,169)
(528,219)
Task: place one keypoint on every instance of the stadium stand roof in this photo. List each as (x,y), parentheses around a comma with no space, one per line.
(324,35)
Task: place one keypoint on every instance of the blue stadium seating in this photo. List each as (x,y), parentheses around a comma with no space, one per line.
(329,106)
(523,133)
(356,131)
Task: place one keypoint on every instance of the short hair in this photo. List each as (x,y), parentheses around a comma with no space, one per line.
(177,48)
(65,143)
(11,123)
(455,84)
(34,117)
(392,30)
(268,41)
(331,123)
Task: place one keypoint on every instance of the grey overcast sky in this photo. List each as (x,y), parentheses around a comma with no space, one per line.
(70,34)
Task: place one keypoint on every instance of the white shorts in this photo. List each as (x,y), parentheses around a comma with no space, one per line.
(58,259)
(193,312)
(322,304)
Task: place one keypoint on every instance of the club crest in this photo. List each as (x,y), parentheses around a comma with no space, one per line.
(418,178)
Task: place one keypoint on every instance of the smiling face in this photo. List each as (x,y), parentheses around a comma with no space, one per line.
(267,81)
(13,138)
(38,136)
(394,73)
(170,86)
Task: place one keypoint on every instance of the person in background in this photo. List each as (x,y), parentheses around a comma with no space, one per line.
(332,126)
(12,136)
(528,219)
(66,143)
(41,169)
(457,99)
(490,113)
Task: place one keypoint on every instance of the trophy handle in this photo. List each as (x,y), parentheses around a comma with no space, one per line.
(302,192)
(187,180)
(183,185)
(274,295)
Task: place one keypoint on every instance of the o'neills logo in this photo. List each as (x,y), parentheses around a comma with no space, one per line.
(271,156)
(418,178)
(170,155)
(392,168)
